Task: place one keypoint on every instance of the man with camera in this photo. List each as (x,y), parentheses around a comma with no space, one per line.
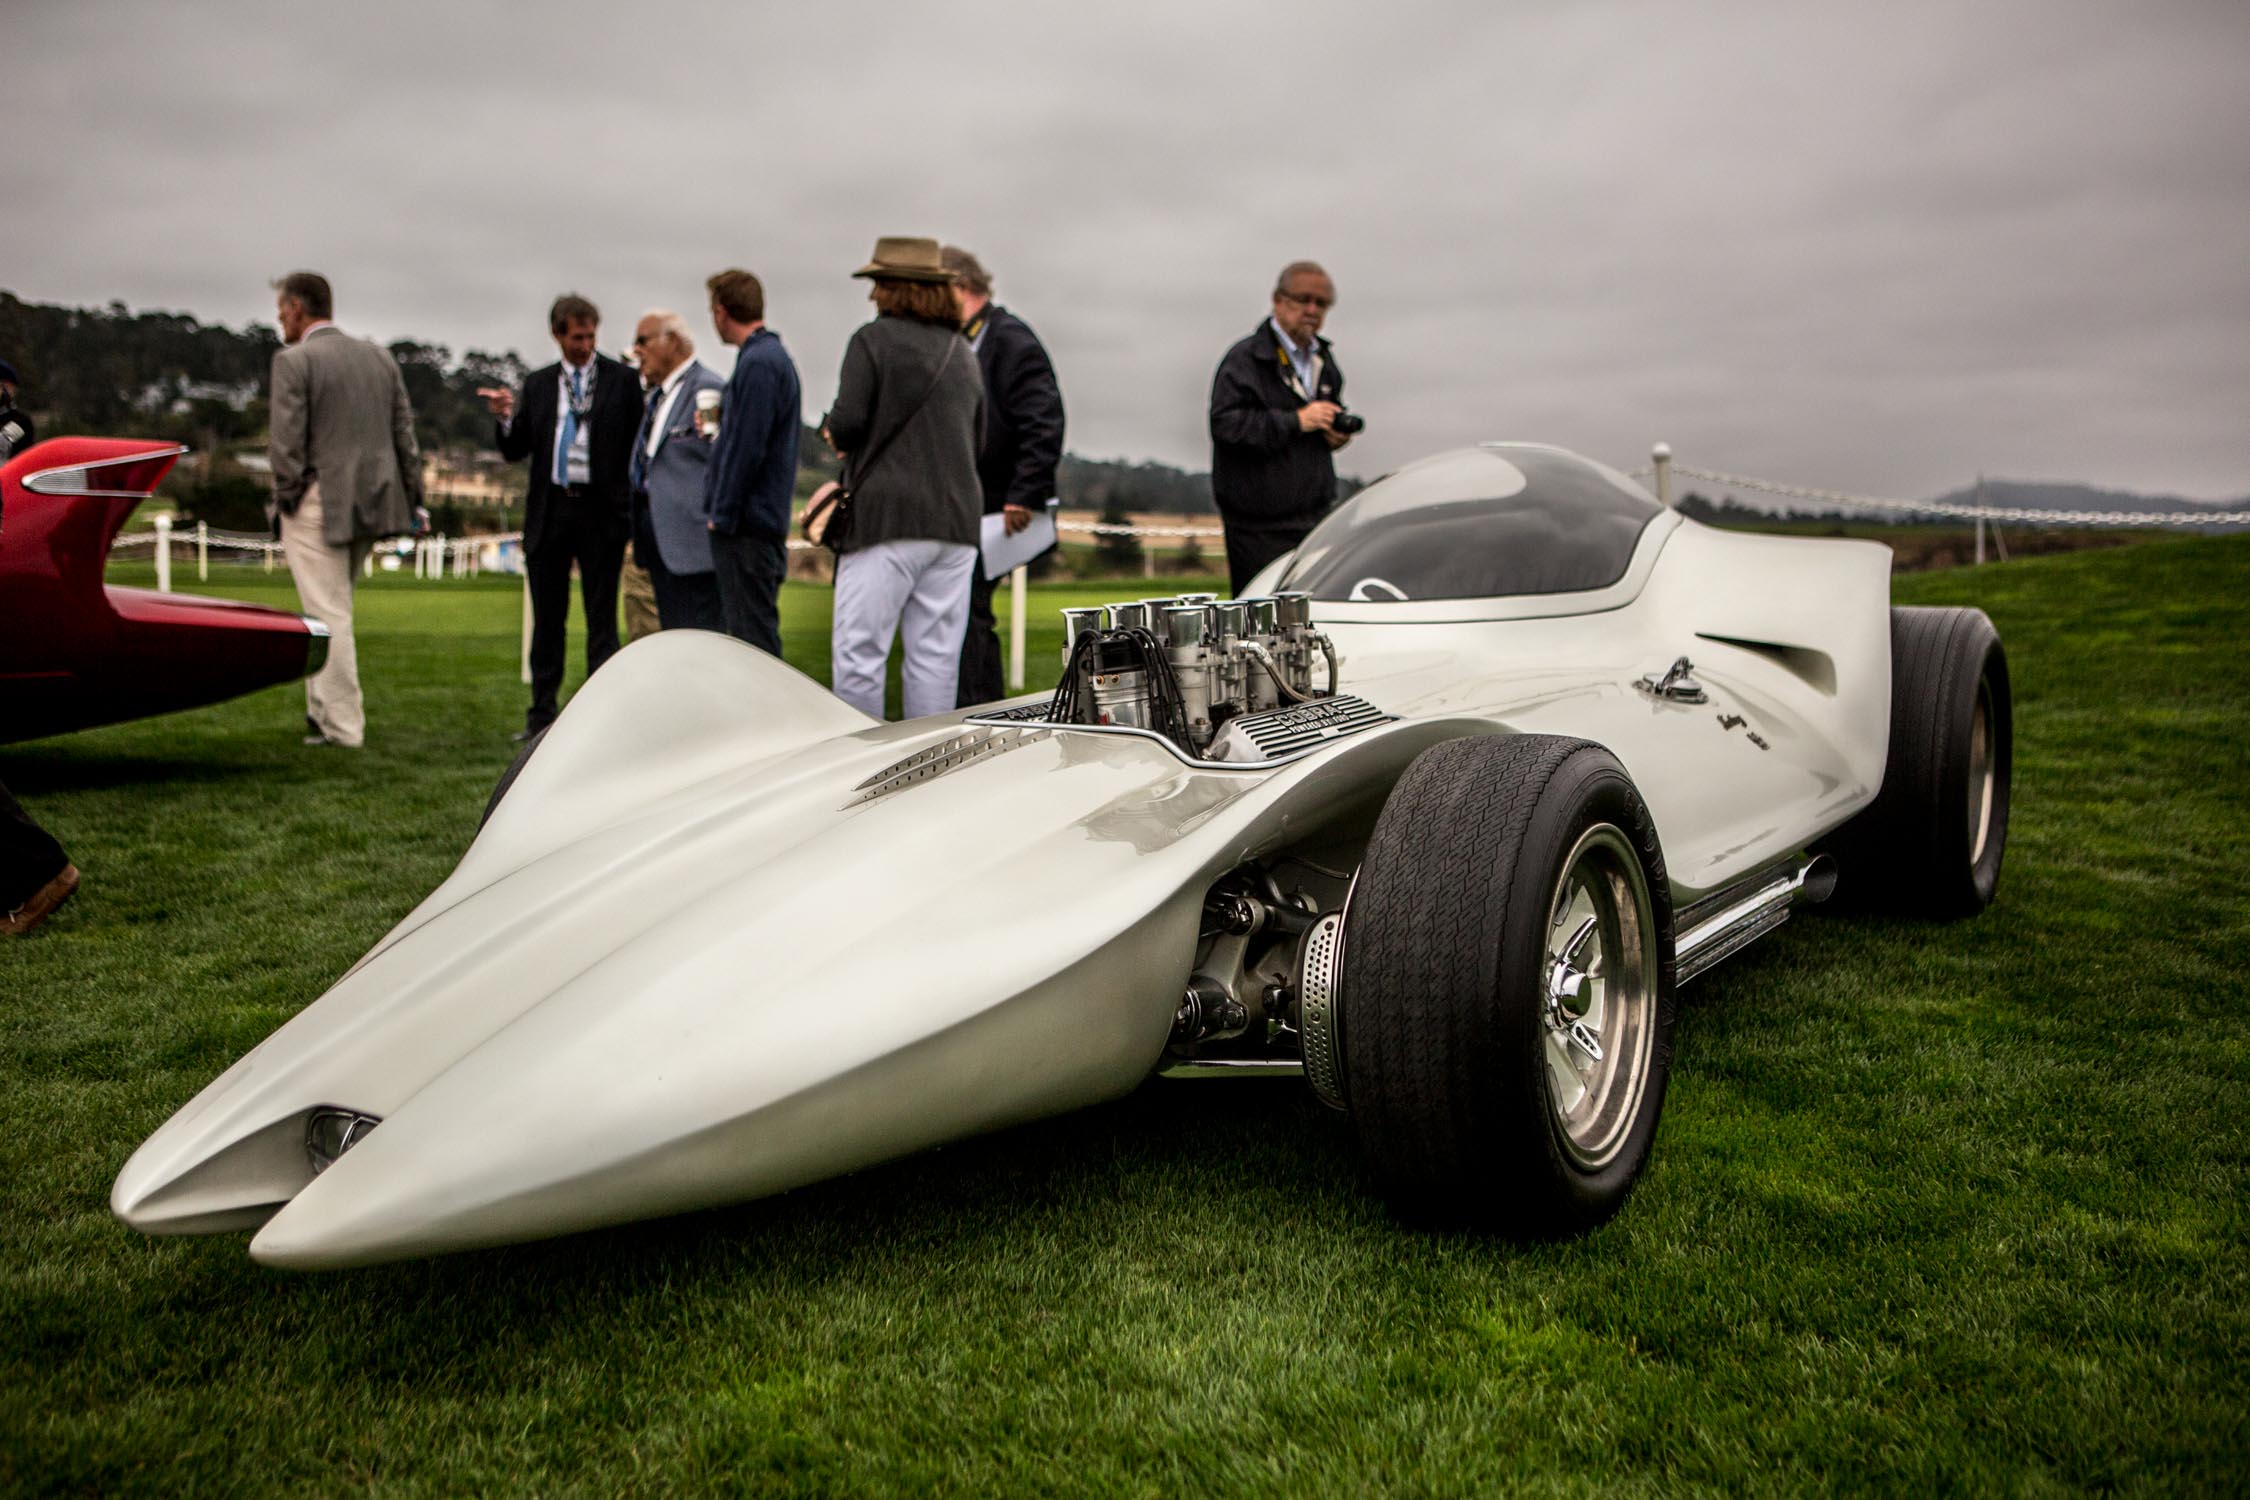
(1277,418)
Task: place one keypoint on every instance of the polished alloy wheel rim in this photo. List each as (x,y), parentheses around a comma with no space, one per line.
(1599,1011)
(1983,774)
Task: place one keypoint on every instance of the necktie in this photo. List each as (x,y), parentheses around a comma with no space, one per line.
(567,436)
(640,443)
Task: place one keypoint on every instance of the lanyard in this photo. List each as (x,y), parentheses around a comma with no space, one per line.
(582,400)
(1289,369)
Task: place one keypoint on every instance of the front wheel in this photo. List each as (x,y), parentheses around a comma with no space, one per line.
(1505,995)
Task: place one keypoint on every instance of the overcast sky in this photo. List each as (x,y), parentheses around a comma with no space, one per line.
(1876,247)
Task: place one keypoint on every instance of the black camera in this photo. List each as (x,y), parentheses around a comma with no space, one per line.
(1346,424)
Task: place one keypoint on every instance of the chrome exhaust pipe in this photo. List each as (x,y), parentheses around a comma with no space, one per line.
(1722,925)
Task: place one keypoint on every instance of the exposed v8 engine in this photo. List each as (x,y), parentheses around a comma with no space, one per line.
(1223,679)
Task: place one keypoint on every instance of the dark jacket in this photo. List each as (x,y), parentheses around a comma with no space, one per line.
(613,424)
(1023,414)
(754,462)
(922,483)
(1264,471)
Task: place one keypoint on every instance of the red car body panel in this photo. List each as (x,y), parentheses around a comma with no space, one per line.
(75,652)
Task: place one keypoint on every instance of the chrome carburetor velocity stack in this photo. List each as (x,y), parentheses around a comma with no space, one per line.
(1185,667)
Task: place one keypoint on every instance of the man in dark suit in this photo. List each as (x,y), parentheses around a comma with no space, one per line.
(1023,444)
(575,421)
(1273,405)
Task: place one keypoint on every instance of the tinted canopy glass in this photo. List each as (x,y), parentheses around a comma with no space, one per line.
(1478,523)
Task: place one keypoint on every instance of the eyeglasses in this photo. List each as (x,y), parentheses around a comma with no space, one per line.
(647,338)
(1309,299)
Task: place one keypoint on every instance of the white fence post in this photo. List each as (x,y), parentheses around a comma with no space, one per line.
(164,554)
(1018,587)
(1980,520)
(527,624)
(268,550)
(1661,457)
(203,551)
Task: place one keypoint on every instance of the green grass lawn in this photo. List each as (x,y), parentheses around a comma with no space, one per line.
(1933,1209)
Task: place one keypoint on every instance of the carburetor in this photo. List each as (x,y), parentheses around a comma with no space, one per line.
(1187,666)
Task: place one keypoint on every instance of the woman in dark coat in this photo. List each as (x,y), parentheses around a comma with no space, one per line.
(908,414)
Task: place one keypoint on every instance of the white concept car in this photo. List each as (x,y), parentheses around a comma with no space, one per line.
(1437,817)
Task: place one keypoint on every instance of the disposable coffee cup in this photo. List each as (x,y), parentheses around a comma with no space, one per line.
(707,414)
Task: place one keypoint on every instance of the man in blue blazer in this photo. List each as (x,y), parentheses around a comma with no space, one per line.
(753,472)
(671,531)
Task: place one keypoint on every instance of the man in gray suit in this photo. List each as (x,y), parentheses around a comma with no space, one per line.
(346,470)
(671,531)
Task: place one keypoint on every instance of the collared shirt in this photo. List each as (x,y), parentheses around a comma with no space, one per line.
(580,467)
(669,392)
(1304,363)
(977,326)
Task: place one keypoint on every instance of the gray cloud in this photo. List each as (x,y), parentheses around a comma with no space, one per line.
(1873,248)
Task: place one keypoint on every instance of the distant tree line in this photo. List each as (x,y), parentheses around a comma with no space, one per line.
(1728,511)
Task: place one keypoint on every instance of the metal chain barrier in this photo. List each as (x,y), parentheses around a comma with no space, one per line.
(2014,513)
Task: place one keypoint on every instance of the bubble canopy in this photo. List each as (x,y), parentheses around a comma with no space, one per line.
(1477,523)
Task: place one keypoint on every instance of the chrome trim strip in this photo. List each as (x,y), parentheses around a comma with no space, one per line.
(46,481)
(1231,1067)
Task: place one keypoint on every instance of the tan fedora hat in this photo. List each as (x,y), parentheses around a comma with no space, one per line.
(906,258)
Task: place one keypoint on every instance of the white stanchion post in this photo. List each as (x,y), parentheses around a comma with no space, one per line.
(527,625)
(203,552)
(164,554)
(1980,520)
(267,549)
(1018,587)
(1661,457)
(367,568)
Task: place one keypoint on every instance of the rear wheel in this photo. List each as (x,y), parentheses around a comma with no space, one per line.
(1931,842)
(1505,1001)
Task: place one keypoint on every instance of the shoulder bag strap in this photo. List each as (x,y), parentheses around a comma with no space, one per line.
(860,465)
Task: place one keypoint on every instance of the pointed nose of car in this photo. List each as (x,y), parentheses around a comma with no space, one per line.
(717,1000)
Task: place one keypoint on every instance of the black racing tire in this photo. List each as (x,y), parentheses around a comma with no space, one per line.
(1447,1033)
(508,777)
(1931,842)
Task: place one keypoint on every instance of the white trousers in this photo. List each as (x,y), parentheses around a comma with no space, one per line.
(920,585)
(324,576)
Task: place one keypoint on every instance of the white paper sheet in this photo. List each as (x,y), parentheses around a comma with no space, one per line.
(1003,554)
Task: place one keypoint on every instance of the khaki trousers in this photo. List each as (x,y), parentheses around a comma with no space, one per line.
(324,576)
(639,592)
